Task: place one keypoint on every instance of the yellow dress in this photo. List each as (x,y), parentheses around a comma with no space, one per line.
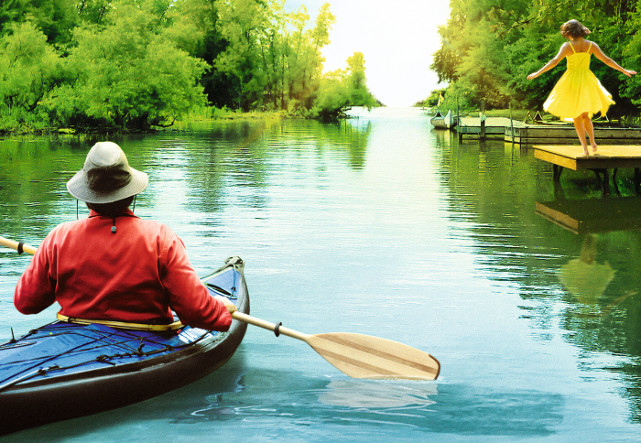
(578,90)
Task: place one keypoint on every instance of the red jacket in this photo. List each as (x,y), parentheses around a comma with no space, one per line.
(138,274)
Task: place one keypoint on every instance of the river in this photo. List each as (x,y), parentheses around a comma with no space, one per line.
(383,226)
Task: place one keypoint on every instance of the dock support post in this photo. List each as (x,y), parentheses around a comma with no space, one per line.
(605,182)
(511,125)
(458,114)
(637,179)
(482,118)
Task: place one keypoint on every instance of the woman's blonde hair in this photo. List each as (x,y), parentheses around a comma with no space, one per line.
(574,28)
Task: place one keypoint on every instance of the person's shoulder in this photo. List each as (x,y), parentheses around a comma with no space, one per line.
(61,232)
(592,45)
(154,225)
(65,227)
(565,49)
(160,229)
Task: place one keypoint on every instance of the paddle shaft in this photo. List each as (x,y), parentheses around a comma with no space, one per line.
(18,246)
(276,328)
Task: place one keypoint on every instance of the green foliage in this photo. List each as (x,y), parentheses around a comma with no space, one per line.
(358,93)
(28,70)
(333,98)
(136,64)
(54,18)
(434,99)
(126,73)
(11,11)
(341,89)
(242,23)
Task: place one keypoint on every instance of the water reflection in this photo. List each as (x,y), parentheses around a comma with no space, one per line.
(603,283)
(369,394)
(593,215)
(237,400)
(581,289)
(584,277)
(413,405)
(236,164)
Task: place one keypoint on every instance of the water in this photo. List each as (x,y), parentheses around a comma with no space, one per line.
(381,226)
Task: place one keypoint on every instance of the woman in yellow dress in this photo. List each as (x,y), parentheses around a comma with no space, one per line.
(579,94)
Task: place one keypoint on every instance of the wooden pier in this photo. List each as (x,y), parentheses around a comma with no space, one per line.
(566,134)
(490,127)
(593,215)
(608,157)
(553,133)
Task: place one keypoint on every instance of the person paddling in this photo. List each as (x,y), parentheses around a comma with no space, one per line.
(578,94)
(114,265)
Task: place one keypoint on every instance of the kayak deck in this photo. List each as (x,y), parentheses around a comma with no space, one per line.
(64,349)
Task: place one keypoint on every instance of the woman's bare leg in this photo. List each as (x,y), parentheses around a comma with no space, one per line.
(580,131)
(589,128)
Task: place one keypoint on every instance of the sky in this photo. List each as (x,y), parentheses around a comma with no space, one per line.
(397,38)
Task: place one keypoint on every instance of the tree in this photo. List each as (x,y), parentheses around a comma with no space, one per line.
(11,11)
(135,64)
(332,98)
(358,93)
(341,89)
(127,73)
(241,24)
(28,70)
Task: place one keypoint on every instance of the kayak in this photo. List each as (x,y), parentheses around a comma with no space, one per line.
(64,370)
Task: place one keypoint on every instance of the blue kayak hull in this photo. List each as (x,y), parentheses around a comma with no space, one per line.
(64,370)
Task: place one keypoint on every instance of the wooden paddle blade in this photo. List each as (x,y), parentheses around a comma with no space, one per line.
(364,356)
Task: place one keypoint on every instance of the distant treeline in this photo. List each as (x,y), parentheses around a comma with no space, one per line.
(488,47)
(135,64)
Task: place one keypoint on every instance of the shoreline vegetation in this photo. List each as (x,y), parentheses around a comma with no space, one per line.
(489,47)
(136,65)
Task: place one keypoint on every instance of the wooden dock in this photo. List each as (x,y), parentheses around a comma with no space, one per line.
(566,134)
(490,127)
(552,133)
(609,157)
(593,215)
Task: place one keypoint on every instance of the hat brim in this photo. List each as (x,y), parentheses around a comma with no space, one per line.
(78,186)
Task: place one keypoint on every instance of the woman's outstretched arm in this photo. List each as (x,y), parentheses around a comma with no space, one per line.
(563,52)
(598,53)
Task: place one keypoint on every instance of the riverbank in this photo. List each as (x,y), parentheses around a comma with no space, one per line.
(211,115)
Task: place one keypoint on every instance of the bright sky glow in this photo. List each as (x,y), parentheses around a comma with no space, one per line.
(397,38)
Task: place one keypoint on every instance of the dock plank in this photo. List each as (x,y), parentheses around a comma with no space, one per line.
(608,157)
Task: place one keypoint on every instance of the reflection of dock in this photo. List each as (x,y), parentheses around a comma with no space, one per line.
(593,215)
(609,157)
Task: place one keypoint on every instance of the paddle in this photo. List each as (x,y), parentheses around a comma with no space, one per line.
(18,246)
(361,356)
(357,355)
